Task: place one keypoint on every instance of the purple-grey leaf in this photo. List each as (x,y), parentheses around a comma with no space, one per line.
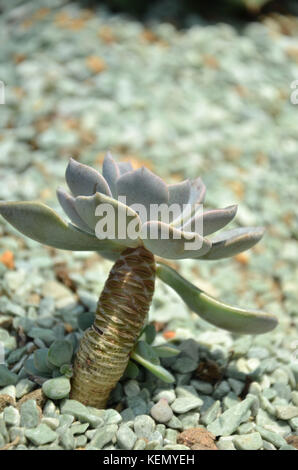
(111,172)
(84,180)
(117,215)
(211,220)
(166,241)
(67,203)
(231,242)
(43,224)
(143,187)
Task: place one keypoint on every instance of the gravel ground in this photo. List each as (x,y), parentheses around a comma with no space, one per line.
(209,101)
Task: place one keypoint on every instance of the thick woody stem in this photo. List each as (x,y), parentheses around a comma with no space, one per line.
(122,309)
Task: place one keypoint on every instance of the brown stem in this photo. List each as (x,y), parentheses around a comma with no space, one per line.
(122,308)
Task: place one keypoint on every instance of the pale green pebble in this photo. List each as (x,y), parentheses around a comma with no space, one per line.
(294,423)
(11,416)
(286,412)
(112,416)
(245,428)
(282,390)
(255,388)
(287,447)
(53,446)
(189,420)
(252,441)
(127,415)
(280,375)
(203,387)
(225,443)
(175,447)
(20,447)
(265,420)
(211,414)
(153,445)
(40,435)
(167,394)
(90,433)
(53,423)
(131,388)
(3,429)
(57,388)
(230,400)
(228,422)
(161,428)
(170,436)
(156,437)
(137,404)
(81,412)
(9,390)
(50,409)
(67,440)
(144,426)
(222,390)
(266,405)
(79,428)
(175,423)
(7,377)
(188,391)
(294,397)
(29,414)
(126,438)
(268,446)
(184,404)
(2,441)
(269,393)
(23,387)
(236,385)
(16,431)
(184,365)
(103,436)
(140,444)
(80,441)
(271,437)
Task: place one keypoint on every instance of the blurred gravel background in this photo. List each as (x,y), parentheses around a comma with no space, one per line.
(211,100)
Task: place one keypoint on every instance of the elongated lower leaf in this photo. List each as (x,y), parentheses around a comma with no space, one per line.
(155,369)
(166,351)
(237,320)
(43,224)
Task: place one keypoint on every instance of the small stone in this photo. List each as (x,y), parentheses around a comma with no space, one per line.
(140,444)
(80,441)
(57,388)
(30,414)
(169,395)
(197,439)
(222,390)
(79,428)
(252,441)
(11,416)
(103,436)
(236,385)
(137,404)
(40,435)
(170,436)
(184,364)
(7,377)
(112,416)
(211,413)
(17,432)
(45,334)
(53,423)
(23,387)
(175,423)
(161,411)
(131,388)
(175,447)
(81,412)
(67,440)
(270,436)
(182,405)
(127,415)
(246,428)
(9,390)
(126,438)
(203,387)
(286,412)
(226,443)
(287,447)
(144,426)
(227,423)
(189,420)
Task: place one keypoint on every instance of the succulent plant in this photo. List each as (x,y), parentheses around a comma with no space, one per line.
(116,335)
